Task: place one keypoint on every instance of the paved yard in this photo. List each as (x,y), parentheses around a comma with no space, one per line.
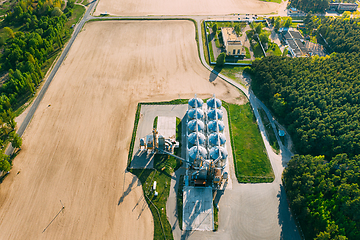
(147,116)
(198,209)
(166,127)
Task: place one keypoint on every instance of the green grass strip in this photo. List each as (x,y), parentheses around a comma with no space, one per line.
(251,162)
(269,131)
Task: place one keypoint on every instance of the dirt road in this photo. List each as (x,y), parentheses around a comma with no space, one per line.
(75,148)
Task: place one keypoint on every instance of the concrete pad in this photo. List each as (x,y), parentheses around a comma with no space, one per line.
(198,209)
(230,159)
(141,159)
(148,113)
(166,127)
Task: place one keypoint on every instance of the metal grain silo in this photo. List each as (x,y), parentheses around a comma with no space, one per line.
(196,113)
(214,125)
(216,139)
(197,153)
(195,102)
(196,138)
(212,114)
(214,103)
(196,125)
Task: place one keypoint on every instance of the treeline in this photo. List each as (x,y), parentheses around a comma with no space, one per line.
(318,100)
(343,35)
(42,31)
(279,22)
(325,196)
(314,6)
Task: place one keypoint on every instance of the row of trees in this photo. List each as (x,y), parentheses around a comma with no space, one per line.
(279,22)
(318,100)
(258,33)
(314,6)
(25,52)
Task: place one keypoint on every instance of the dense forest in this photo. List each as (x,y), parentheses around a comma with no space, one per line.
(311,5)
(325,196)
(318,100)
(315,6)
(40,30)
(343,35)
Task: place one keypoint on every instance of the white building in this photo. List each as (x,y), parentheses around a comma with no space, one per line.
(232,42)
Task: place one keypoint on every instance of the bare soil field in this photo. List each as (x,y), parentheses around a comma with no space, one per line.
(75,149)
(185,7)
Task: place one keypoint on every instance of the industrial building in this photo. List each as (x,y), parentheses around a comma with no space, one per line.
(232,43)
(206,158)
(206,152)
(295,41)
(343,6)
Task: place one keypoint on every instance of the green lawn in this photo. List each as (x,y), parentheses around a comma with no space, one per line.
(247,53)
(206,55)
(231,71)
(313,39)
(294,25)
(227,24)
(155,122)
(258,53)
(269,131)
(49,61)
(217,41)
(216,218)
(212,58)
(251,161)
(75,17)
(23,102)
(275,1)
(274,49)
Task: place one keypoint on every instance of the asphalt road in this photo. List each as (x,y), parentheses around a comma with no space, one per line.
(41,94)
(234,227)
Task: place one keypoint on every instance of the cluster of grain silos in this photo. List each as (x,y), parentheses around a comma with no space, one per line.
(206,139)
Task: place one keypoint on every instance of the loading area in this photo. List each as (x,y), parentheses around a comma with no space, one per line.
(198,209)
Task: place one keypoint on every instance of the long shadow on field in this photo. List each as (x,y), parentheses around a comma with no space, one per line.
(128,190)
(286,221)
(214,74)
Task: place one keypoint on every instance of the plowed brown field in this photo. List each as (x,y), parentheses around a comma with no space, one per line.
(75,149)
(184,7)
